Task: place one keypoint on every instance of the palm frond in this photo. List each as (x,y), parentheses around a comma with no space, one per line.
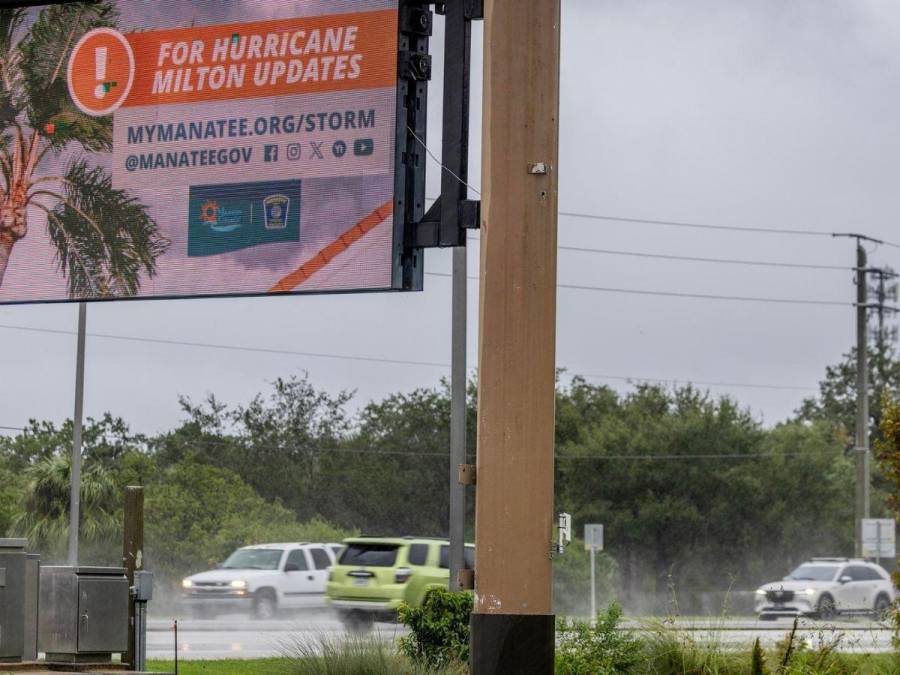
(45,517)
(85,272)
(11,19)
(105,239)
(45,51)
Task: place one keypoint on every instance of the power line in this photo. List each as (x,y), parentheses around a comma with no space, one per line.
(699,226)
(239,348)
(727,261)
(710,296)
(746,385)
(431,364)
(676,294)
(728,228)
(625,378)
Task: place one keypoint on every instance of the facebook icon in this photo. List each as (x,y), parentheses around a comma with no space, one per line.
(270,154)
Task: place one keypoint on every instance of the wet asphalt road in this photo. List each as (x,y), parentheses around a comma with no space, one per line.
(236,636)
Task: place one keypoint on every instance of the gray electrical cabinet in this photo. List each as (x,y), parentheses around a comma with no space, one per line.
(12,599)
(84,613)
(32,606)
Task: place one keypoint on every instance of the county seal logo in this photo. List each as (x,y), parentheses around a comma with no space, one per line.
(276,211)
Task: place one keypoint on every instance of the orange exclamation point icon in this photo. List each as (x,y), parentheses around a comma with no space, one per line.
(100,56)
(101,71)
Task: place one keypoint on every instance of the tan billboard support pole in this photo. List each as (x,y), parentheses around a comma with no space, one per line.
(77,421)
(513,622)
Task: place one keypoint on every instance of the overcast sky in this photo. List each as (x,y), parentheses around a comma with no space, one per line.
(768,113)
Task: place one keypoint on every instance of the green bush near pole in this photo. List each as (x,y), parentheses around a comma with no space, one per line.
(597,647)
(439,634)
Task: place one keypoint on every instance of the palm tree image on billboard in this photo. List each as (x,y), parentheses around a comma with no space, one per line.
(204,148)
(104,239)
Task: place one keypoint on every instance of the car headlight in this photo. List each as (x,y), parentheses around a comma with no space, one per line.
(810,591)
(760,591)
(187,583)
(239,583)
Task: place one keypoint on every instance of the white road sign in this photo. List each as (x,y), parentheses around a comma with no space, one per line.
(879,537)
(593,537)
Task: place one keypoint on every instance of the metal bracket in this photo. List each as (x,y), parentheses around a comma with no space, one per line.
(466,579)
(414,66)
(467,475)
(474,9)
(446,223)
(428,230)
(416,21)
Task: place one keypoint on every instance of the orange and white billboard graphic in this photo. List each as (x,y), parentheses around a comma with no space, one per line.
(202,147)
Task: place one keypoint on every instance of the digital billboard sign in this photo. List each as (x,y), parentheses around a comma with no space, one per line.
(189,148)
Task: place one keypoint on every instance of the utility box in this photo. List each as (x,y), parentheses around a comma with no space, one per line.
(12,599)
(84,613)
(32,605)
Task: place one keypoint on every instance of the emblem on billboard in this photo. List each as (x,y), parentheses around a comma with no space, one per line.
(236,216)
(221,218)
(276,211)
(209,213)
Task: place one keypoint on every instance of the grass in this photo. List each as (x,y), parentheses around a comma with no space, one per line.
(272,666)
(690,663)
(358,655)
(671,652)
(662,650)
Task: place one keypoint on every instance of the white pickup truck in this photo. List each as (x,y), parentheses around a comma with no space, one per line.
(262,579)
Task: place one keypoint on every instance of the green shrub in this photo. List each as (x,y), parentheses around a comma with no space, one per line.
(439,634)
(598,648)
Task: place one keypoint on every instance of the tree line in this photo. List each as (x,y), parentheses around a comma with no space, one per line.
(695,494)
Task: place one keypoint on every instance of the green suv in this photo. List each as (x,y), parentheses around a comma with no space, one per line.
(374,575)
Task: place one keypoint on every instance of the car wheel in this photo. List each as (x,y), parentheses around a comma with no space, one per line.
(825,609)
(265,606)
(356,621)
(882,610)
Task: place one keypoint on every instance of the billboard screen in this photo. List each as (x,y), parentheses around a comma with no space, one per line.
(184,148)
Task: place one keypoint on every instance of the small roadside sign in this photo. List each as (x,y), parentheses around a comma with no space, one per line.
(879,537)
(593,537)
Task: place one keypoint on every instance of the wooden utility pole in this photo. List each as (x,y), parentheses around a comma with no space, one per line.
(133,553)
(513,622)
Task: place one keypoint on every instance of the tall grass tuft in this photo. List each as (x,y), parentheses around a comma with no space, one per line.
(352,655)
(758,660)
(668,651)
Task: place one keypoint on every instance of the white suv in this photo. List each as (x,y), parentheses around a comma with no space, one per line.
(825,587)
(263,579)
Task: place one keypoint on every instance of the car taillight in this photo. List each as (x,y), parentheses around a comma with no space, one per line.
(402,575)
